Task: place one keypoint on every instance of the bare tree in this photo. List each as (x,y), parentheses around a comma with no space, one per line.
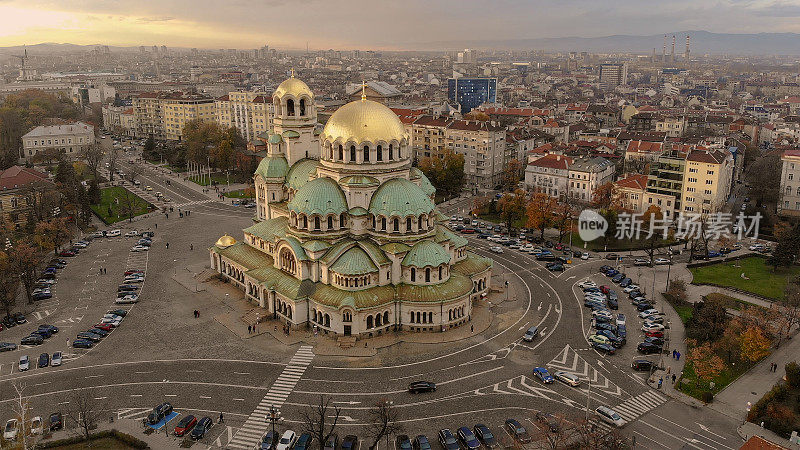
(93,155)
(382,422)
(9,284)
(83,412)
(591,437)
(553,431)
(113,157)
(134,173)
(320,421)
(128,204)
(22,412)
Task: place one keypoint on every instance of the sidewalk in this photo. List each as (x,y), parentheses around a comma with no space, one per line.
(748,430)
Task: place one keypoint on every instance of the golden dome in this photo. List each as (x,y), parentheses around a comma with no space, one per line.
(295,87)
(364,121)
(225,241)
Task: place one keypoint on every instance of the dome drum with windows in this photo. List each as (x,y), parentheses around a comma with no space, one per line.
(347,237)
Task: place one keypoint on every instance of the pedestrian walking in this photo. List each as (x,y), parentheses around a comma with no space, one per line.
(156,226)
(101,272)
(167,245)
(221,418)
(660,381)
(673,353)
(471,328)
(673,378)
(678,356)
(191,246)
(249,329)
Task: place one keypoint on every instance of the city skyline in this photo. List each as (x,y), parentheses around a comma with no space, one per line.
(381,26)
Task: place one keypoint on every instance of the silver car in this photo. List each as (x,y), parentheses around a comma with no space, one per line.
(567,378)
(57,359)
(24,363)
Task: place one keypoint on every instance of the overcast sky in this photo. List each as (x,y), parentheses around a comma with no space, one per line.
(376,24)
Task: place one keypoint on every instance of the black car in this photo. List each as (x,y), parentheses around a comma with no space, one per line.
(576,254)
(303,442)
(548,420)
(622,331)
(517,431)
(642,365)
(19,318)
(468,439)
(33,339)
(447,440)
(403,442)
(485,435)
(41,296)
(643,306)
(604,269)
(82,343)
(618,277)
(421,442)
(612,303)
(201,428)
(634,293)
(616,341)
(421,386)
(9,322)
(648,348)
(98,331)
(332,442)
(555,267)
(625,282)
(350,442)
(270,440)
(118,312)
(603,348)
(605,326)
(159,413)
(127,287)
(44,360)
(56,421)
(90,336)
(44,333)
(612,256)
(654,340)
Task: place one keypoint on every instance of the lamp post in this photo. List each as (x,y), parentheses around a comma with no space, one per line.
(274,302)
(273,416)
(388,405)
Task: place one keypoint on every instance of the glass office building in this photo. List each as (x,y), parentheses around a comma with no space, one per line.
(471,92)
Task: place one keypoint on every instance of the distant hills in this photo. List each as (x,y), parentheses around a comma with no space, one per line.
(702,42)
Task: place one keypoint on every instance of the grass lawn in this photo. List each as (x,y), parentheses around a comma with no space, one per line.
(685,313)
(617,244)
(762,280)
(106,443)
(238,194)
(731,372)
(108,199)
(731,302)
(495,218)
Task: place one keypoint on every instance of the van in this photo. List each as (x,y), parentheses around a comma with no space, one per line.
(608,415)
(531,334)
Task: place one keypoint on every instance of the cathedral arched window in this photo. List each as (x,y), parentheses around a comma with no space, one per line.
(408,224)
(428,275)
(341,153)
(440,273)
(289,107)
(302,107)
(305,222)
(366,153)
(396,224)
(379,156)
(386,317)
(413,274)
(391,152)
(383,223)
(316,223)
(342,221)
(330,222)
(352,153)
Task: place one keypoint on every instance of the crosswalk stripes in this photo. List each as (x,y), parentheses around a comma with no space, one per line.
(133,413)
(569,361)
(255,425)
(636,406)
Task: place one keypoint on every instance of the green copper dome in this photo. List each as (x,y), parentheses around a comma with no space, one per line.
(354,262)
(275,139)
(400,197)
(319,196)
(426,253)
(273,167)
(300,172)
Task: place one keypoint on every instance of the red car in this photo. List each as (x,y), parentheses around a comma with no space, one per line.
(66,253)
(559,246)
(104,326)
(658,334)
(133,271)
(604,289)
(185,425)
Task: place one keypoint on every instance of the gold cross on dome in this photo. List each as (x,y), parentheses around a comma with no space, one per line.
(292,72)
(363,90)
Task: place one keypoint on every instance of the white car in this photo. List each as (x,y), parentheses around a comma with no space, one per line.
(610,416)
(756,247)
(134,279)
(287,440)
(132,233)
(11,429)
(113,322)
(649,312)
(652,327)
(641,262)
(114,233)
(661,261)
(620,319)
(97,234)
(130,298)
(80,244)
(140,248)
(36,425)
(24,363)
(527,248)
(586,284)
(584,255)
(630,288)
(567,378)
(57,359)
(496,249)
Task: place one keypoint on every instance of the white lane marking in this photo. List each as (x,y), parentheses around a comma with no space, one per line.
(242,373)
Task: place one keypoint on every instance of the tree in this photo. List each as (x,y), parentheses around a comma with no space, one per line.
(606,196)
(24,261)
(320,421)
(9,284)
(511,175)
(755,345)
(113,157)
(94,193)
(788,311)
(47,155)
(708,321)
(786,251)
(22,412)
(637,165)
(445,171)
(706,364)
(128,203)
(83,412)
(764,185)
(382,422)
(793,374)
(512,207)
(540,212)
(563,214)
(93,155)
(553,431)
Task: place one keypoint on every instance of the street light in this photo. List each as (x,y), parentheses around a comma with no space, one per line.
(388,405)
(274,416)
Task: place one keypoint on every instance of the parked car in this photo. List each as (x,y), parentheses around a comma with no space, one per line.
(661,261)
(567,378)
(555,267)
(421,386)
(270,440)
(11,429)
(612,256)
(447,440)
(33,339)
(603,348)
(7,346)
(56,421)
(287,440)
(421,442)
(548,420)
(484,435)
(403,442)
(350,442)
(57,359)
(19,318)
(82,343)
(159,413)
(543,375)
(24,363)
(303,442)
(517,431)
(648,348)
(642,365)
(185,425)
(44,360)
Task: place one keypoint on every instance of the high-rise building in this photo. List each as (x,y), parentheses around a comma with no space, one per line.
(613,75)
(249,112)
(469,93)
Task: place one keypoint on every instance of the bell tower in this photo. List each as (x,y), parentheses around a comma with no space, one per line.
(295,120)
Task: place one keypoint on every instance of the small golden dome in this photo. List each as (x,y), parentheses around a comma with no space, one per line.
(295,87)
(225,241)
(364,121)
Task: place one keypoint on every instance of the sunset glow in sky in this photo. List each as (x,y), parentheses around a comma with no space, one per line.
(387,24)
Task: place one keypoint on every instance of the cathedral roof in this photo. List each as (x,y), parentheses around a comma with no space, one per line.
(319,196)
(294,87)
(400,197)
(273,167)
(364,121)
(426,253)
(354,262)
(300,173)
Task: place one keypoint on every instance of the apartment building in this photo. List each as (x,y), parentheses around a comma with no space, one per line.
(665,183)
(483,145)
(549,175)
(586,174)
(249,112)
(119,119)
(631,192)
(789,194)
(17,185)
(707,180)
(428,135)
(673,126)
(163,115)
(70,139)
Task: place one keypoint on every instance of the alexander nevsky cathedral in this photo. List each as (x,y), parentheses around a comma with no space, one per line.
(347,238)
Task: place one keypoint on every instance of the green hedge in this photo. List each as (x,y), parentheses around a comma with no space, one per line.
(126,439)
